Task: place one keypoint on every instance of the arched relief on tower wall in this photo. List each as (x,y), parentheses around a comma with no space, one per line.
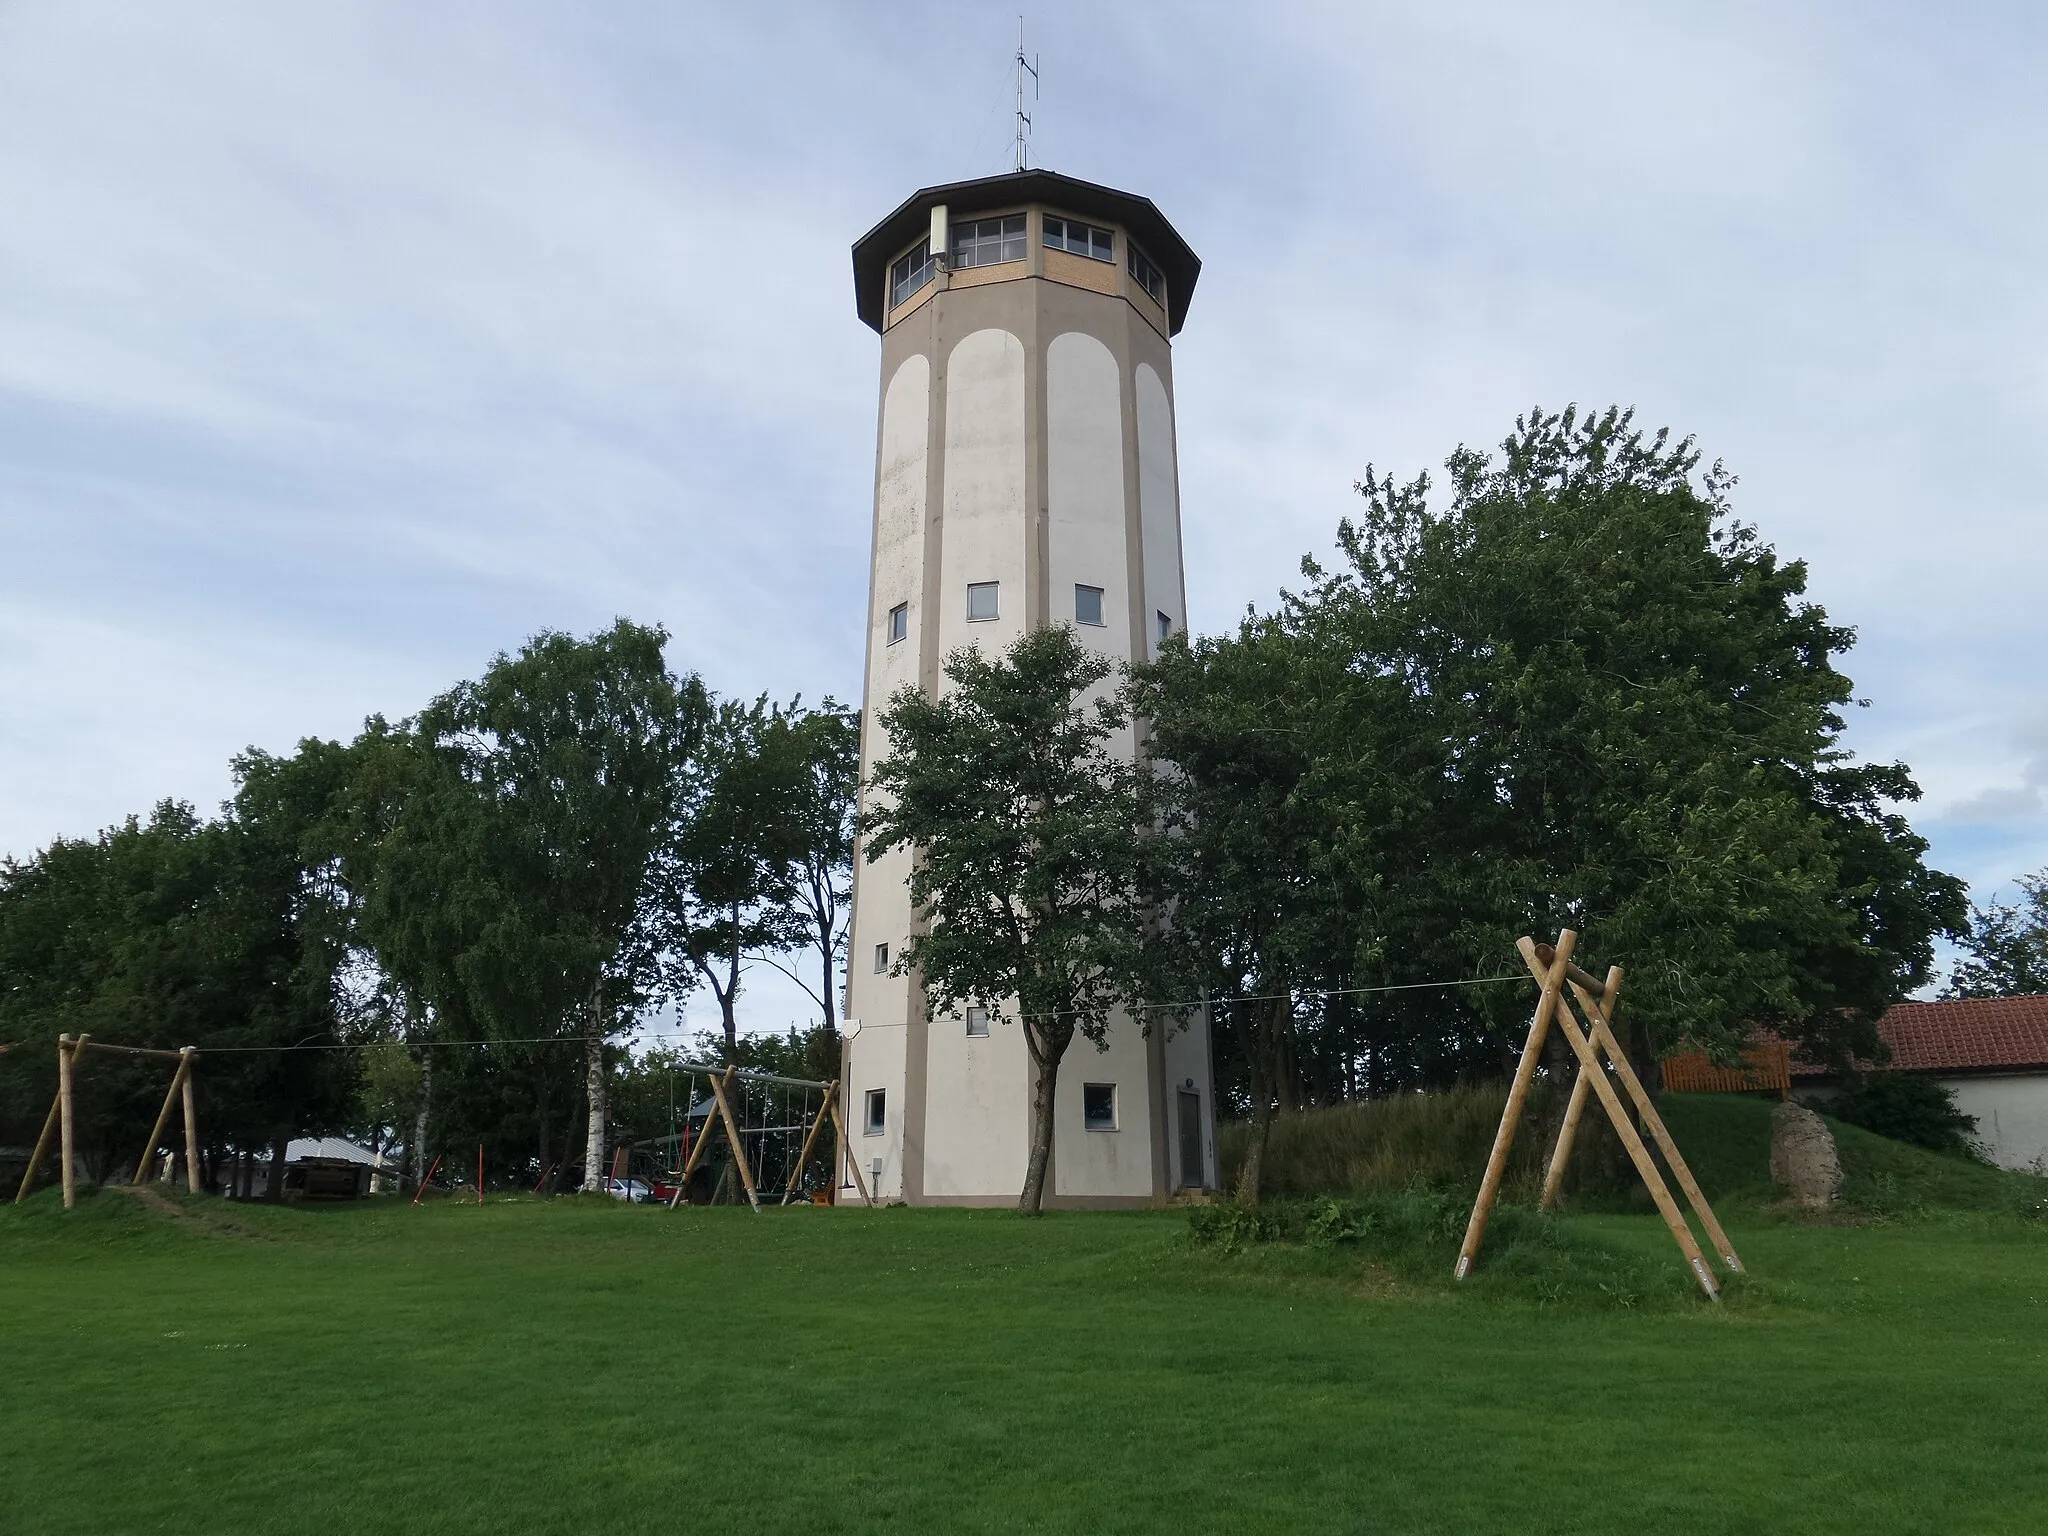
(882,915)
(1084,452)
(1158,504)
(1085,534)
(984,524)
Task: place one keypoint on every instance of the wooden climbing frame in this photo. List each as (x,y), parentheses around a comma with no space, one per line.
(1562,984)
(62,1122)
(722,1114)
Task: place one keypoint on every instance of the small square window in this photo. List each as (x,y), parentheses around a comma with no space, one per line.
(899,622)
(1087,605)
(1165,625)
(878,1111)
(881,958)
(981,600)
(1098,1106)
(977,1021)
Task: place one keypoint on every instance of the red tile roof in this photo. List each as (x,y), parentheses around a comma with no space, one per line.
(1985,1034)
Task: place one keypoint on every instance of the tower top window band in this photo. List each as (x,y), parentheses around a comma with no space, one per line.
(984,242)
(1082,239)
(910,273)
(1148,276)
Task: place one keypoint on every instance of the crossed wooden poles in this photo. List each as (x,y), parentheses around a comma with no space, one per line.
(720,1082)
(62,1122)
(1554,972)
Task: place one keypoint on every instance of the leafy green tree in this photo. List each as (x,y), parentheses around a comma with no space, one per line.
(1037,868)
(568,750)
(721,886)
(818,753)
(172,932)
(2006,946)
(1583,695)
(1252,905)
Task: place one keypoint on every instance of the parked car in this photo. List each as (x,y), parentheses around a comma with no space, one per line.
(633,1190)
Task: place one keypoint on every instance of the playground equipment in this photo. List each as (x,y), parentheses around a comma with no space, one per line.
(1553,970)
(762,1116)
(62,1121)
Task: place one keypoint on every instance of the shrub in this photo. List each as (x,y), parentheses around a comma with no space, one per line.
(1909,1108)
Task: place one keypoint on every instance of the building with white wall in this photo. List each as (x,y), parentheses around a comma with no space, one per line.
(1025,475)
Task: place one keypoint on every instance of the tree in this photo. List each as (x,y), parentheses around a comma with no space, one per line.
(1037,869)
(2007,946)
(568,750)
(721,883)
(170,932)
(1584,695)
(1251,906)
(818,756)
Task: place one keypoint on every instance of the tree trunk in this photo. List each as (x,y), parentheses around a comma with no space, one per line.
(594,1093)
(729,999)
(275,1191)
(419,1122)
(1043,1099)
(831,1011)
(1255,1154)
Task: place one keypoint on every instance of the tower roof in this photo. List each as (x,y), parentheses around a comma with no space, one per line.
(1160,240)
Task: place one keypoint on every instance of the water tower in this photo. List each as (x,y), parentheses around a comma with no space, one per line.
(1025,475)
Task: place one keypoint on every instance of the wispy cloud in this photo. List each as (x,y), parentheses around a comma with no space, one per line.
(339,349)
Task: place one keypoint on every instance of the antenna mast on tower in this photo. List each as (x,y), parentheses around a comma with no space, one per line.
(1024,67)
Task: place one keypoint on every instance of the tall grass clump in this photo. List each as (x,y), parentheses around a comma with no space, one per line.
(1381,1146)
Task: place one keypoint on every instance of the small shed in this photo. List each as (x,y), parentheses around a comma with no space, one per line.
(329,1168)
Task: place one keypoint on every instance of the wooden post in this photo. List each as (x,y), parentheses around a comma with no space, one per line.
(1581,1091)
(1589,1063)
(479,1173)
(147,1161)
(188,1059)
(28,1177)
(67,1070)
(796,1174)
(846,1152)
(1504,1138)
(732,1131)
(1603,1036)
(698,1147)
(428,1175)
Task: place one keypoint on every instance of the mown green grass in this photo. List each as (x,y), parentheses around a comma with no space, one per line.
(585,1367)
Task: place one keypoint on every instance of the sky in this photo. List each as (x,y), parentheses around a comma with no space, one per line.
(343,347)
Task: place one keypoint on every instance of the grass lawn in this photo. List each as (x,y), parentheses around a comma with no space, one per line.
(587,1367)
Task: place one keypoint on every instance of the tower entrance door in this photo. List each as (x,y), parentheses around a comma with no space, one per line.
(1191,1170)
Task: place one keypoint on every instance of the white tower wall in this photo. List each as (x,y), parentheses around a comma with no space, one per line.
(1026,438)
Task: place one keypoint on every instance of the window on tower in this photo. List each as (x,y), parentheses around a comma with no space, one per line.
(878,1112)
(984,242)
(1081,239)
(1098,1106)
(881,958)
(981,600)
(1148,276)
(1087,605)
(899,622)
(1165,625)
(977,1021)
(912,271)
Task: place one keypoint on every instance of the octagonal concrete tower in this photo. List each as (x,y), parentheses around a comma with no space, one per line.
(1025,475)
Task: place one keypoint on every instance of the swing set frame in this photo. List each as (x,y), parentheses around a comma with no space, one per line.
(62,1121)
(723,1081)
(1552,968)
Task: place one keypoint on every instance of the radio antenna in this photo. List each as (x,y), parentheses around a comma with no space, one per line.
(1024,67)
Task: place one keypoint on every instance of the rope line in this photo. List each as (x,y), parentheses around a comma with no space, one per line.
(1181,1007)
